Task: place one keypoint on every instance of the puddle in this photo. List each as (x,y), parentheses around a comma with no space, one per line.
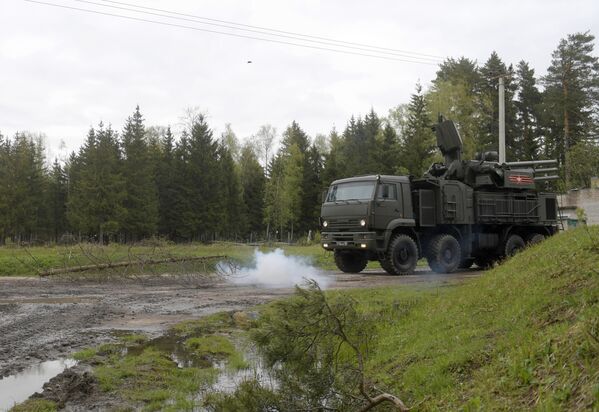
(17,388)
(176,350)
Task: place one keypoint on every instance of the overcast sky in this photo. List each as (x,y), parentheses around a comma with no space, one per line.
(62,71)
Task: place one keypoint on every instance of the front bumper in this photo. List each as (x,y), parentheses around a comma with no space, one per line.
(348,240)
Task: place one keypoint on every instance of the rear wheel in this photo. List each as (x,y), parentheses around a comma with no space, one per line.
(401,257)
(349,261)
(513,244)
(444,254)
(534,238)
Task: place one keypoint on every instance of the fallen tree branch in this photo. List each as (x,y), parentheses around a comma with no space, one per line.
(112,265)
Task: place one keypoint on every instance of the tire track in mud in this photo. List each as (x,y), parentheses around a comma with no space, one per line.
(41,319)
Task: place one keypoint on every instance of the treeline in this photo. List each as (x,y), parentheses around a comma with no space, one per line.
(145,181)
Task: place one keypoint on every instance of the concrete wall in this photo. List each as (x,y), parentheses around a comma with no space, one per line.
(587,199)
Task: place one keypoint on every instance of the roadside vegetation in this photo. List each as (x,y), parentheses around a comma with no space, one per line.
(31,261)
(525,335)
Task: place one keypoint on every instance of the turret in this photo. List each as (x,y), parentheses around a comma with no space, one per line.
(485,171)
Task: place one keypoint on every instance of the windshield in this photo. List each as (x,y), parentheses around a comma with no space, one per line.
(351,191)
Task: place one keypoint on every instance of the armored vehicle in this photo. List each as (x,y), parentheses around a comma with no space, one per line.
(460,213)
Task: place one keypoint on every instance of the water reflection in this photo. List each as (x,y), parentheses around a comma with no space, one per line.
(17,388)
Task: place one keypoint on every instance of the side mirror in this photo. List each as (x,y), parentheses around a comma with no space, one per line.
(323,195)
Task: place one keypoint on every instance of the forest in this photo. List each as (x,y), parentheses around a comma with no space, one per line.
(147,181)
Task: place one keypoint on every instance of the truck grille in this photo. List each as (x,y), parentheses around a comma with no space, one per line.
(343,224)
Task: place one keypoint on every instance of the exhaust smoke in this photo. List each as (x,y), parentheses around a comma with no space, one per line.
(275,270)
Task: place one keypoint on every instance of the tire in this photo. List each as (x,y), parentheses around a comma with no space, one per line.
(402,256)
(386,265)
(513,244)
(350,262)
(444,254)
(466,263)
(484,262)
(534,238)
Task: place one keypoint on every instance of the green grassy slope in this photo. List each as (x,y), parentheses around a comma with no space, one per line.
(523,336)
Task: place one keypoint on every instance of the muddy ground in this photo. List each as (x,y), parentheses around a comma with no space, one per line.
(45,319)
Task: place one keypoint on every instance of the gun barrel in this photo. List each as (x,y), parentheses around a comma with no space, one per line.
(546,178)
(546,170)
(529,163)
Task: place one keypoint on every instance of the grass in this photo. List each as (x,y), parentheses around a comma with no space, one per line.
(142,373)
(35,405)
(523,336)
(19,261)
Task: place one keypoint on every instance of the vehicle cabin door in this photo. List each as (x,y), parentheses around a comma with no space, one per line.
(387,204)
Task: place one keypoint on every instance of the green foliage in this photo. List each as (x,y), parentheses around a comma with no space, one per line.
(35,405)
(528,132)
(250,395)
(140,201)
(318,345)
(571,97)
(418,142)
(524,336)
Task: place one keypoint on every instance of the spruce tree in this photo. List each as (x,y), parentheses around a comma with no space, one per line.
(418,143)
(528,129)
(141,200)
(57,200)
(490,73)
(571,96)
(97,188)
(253,184)
(387,151)
(166,172)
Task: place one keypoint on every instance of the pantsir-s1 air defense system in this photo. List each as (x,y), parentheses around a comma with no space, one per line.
(460,213)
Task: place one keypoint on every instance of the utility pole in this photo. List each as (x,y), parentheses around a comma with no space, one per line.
(501,120)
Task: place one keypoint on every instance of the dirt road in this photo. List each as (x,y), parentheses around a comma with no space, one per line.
(45,319)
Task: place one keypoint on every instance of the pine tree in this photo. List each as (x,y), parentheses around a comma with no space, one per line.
(334,164)
(57,200)
(293,188)
(418,143)
(387,151)
(197,184)
(571,96)
(166,172)
(253,184)
(233,221)
(490,73)
(273,198)
(4,189)
(372,127)
(25,175)
(97,189)
(527,130)
(141,200)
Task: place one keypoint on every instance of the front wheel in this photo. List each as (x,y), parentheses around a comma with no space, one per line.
(350,262)
(401,257)
(444,254)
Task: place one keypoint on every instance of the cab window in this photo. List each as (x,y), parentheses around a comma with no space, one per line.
(386,191)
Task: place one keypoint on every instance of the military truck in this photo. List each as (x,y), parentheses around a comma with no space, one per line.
(460,213)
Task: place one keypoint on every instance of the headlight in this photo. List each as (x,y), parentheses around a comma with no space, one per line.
(363,222)
(325,223)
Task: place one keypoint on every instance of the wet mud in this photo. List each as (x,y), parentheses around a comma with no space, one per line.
(47,320)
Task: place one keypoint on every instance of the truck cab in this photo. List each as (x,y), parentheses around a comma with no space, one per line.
(359,214)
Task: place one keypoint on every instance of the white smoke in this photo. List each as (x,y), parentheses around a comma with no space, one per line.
(275,270)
